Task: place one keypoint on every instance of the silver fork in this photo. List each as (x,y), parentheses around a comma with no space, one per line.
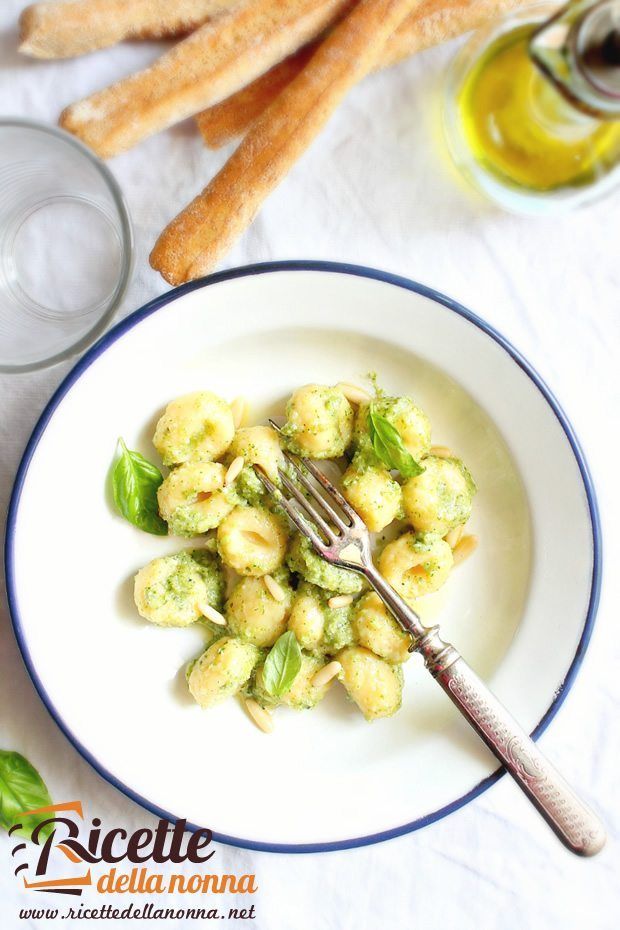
(339,535)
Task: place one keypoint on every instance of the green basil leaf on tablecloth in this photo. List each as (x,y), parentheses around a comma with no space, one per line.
(21,789)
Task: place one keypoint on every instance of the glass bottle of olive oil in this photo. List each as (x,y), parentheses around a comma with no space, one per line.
(533,106)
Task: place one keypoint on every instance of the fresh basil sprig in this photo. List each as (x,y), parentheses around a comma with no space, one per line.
(282,665)
(388,445)
(135,481)
(21,789)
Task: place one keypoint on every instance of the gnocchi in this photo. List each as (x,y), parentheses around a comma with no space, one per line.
(319,422)
(261,594)
(412,424)
(374,494)
(256,445)
(439,499)
(307,619)
(169,591)
(375,627)
(252,540)
(194,499)
(372,683)
(416,565)
(195,427)
(254,615)
(319,627)
(303,693)
(221,671)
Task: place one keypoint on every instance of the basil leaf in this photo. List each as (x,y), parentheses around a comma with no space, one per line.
(389,447)
(135,481)
(21,789)
(282,665)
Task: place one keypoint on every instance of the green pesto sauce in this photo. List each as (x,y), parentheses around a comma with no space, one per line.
(212,574)
(338,630)
(304,560)
(250,487)
(252,689)
(179,585)
(422,543)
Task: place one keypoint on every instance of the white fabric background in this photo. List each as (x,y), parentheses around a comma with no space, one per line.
(376,189)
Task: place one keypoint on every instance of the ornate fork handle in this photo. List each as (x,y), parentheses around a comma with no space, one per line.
(574,823)
(348,546)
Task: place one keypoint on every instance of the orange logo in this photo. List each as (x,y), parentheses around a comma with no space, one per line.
(72,885)
(59,840)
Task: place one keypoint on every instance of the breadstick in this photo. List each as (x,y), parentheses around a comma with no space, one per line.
(427,26)
(197,239)
(440,22)
(212,63)
(66,29)
(232,117)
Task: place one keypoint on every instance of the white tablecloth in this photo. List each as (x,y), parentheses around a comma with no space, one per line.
(376,189)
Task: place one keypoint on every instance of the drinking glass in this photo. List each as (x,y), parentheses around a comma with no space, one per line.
(66,245)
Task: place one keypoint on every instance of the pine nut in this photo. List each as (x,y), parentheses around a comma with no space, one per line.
(353,393)
(325,674)
(454,536)
(261,717)
(276,590)
(240,409)
(210,613)
(340,600)
(465,548)
(442,452)
(234,469)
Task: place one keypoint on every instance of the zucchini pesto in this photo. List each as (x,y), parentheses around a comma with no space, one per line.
(282,625)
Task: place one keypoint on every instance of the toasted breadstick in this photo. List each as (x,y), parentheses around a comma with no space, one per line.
(438,22)
(196,240)
(66,29)
(233,116)
(212,63)
(429,25)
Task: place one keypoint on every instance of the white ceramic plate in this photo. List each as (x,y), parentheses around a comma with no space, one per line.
(520,610)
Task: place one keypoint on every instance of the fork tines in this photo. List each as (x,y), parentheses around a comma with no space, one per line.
(291,509)
(326,514)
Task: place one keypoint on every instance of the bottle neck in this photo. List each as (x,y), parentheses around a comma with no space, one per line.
(578,50)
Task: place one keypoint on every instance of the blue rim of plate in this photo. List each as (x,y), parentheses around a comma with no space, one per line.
(357,271)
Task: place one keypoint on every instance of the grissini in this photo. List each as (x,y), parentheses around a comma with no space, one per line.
(67,28)
(209,65)
(428,25)
(195,241)
(225,121)
(439,22)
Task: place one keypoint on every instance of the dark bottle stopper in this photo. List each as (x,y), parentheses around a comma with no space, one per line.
(597,47)
(578,49)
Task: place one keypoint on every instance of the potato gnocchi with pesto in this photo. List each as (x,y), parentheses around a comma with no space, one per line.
(281,625)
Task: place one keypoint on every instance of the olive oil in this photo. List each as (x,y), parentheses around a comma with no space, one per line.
(521,129)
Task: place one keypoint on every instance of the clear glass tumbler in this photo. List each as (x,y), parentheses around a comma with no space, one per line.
(66,246)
